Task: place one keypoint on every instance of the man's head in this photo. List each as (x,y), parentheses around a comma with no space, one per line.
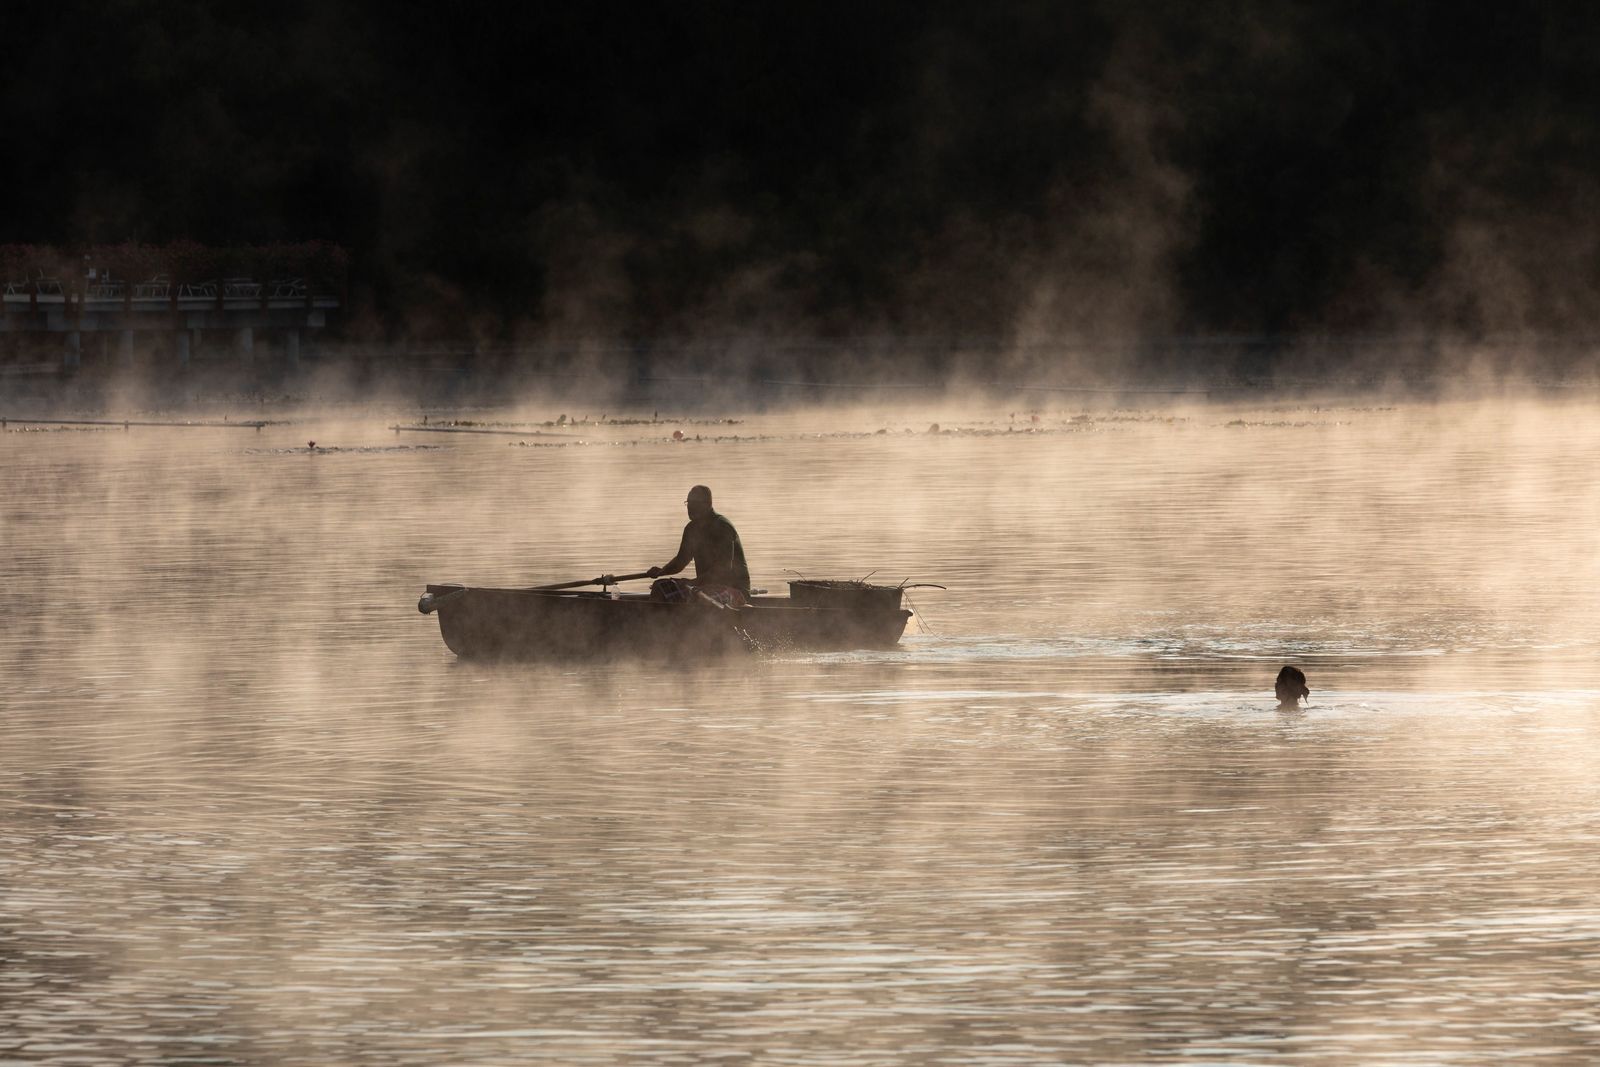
(699,502)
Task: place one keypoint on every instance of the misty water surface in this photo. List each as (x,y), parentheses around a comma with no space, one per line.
(253,811)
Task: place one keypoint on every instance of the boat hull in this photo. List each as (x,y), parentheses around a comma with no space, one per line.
(484,623)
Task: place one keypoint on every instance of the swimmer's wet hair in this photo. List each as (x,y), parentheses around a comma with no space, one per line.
(1294,678)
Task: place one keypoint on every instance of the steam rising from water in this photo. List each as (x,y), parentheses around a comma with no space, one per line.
(252,807)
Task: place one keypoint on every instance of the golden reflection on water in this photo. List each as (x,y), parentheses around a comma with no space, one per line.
(253,811)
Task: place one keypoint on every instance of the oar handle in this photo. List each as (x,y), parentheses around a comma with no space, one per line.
(613,579)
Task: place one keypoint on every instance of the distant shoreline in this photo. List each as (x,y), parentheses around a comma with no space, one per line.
(701,382)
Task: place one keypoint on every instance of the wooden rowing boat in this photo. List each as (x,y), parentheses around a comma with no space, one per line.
(483,623)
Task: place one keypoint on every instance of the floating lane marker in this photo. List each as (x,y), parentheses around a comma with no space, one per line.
(125,423)
(476,429)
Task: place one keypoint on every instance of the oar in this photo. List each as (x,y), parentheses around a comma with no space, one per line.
(431,603)
(604,579)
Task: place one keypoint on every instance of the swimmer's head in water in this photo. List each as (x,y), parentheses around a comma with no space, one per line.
(1290,686)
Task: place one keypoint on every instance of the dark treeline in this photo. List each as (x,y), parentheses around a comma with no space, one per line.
(1015,170)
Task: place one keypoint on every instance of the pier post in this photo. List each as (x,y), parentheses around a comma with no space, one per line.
(247,343)
(183,348)
(74,353)
(292,343)
(125,348)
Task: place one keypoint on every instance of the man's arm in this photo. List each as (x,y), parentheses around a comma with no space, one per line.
(678,562)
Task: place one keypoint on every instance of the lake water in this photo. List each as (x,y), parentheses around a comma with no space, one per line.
(253,811)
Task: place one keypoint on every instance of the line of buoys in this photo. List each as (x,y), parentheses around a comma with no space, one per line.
(126,423)
(479,429)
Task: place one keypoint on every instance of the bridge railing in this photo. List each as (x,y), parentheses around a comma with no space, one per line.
(157,288)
